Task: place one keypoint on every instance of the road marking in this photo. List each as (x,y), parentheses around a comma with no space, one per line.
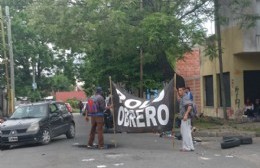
(114,155)
(88,160)
(101,166)
(119,164)
(229,156)
(204,158)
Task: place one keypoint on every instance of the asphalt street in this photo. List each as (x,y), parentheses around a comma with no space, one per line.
(132,151)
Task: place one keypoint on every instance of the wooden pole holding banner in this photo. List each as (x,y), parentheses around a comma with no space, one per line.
(174,108)
(112,109)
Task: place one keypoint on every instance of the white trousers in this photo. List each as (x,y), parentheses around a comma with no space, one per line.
(187,143)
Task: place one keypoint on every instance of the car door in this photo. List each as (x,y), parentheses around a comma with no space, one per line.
(56,120)
(65,115)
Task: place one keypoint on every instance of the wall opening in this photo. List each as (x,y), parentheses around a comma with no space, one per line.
(252,85)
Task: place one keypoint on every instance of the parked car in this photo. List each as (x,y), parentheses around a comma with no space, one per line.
(37,123)
(69,107)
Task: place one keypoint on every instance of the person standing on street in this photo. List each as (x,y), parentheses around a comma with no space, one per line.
(108,117)
(95,110)
(80,105)
(185,109)
(190,96)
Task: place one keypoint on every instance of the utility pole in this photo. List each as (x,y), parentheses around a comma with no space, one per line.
(10,45)
(141,4)
(5,62)
(141,60)
(141,72)
(34,85)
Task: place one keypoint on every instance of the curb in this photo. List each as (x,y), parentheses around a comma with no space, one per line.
(207,133)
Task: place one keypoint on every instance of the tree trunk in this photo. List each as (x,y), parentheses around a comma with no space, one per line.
(218,33)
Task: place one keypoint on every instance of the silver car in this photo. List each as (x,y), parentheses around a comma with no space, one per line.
(37,123)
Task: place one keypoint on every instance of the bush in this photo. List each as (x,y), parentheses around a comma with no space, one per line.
(73,102)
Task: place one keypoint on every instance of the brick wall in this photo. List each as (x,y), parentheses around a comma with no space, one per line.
(189,69)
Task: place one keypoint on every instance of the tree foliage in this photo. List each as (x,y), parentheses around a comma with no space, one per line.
(94,39)
(231,12)
(111,33)
(31,49)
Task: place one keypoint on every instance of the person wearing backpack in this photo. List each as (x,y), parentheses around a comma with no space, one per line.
(185,113)
(95,109)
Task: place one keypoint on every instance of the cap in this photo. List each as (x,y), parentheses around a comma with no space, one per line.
(99,89)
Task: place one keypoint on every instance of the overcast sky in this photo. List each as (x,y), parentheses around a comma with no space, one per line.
(209,25)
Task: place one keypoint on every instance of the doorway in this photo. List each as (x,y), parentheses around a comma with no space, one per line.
(252,85)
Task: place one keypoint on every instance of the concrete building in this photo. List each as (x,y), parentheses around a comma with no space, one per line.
(241,68)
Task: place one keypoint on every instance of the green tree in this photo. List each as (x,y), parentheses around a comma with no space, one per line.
(60,83)
(95,39)
(109,32)
(31,49)
(105,38)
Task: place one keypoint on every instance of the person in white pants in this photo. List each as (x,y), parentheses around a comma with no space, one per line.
(185,109)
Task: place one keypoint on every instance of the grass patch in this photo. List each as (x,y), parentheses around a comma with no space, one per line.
(254,127)
(208,122)
(75,110)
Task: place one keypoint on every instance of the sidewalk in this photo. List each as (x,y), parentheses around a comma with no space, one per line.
(245,129)
(224,132)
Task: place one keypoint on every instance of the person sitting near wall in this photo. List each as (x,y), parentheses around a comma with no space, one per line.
(249,108)
(257,108)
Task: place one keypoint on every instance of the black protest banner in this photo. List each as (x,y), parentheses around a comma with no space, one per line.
(133,114)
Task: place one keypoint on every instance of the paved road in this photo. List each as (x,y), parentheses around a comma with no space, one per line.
(132,151)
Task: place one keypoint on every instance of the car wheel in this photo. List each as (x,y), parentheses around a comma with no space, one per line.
(71,132)
(45,137)
(231,142)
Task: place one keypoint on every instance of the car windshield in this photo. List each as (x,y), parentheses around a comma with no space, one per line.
(30,111)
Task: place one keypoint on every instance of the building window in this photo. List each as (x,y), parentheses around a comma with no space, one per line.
(209,90)
(226,79)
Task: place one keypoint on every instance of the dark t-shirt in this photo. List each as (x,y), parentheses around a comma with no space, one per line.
(81,105)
